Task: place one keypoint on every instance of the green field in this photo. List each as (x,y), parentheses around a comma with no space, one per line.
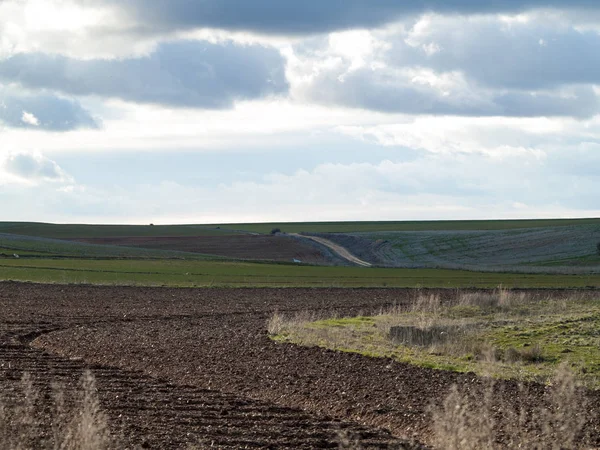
(63,231)
(89,231)
(46,258)
(212,273)
(355,227)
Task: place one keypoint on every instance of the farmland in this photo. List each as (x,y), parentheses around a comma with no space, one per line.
(62,231)
(176,273)
(435,225)
(181,367)
(570,248)
(502,249)
(280,248)
(173,321)
(30,246)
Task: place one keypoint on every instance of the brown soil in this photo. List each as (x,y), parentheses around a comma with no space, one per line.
(242,246)
(180,366)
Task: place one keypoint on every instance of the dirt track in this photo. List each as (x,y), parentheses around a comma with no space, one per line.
(343,252)
(195,366)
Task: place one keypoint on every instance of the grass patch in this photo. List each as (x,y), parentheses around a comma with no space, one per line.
(503,334)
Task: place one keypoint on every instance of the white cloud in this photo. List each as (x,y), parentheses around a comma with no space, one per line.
(30,119)
(461,65)
(249,125)
(31,168)
(435,186)
(66,27)
(464,135)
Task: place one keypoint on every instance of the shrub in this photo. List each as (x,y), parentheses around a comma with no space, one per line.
(275,230)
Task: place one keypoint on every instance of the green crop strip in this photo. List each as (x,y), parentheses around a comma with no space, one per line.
(203,273)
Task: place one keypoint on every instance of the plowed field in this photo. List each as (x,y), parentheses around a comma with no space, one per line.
(195,366)
(242,246)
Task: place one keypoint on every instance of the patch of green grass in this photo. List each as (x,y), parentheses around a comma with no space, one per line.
(524,339)
(359,321)
(222,273)
(569,337)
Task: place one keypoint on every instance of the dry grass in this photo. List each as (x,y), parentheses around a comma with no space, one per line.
(276,323)
(484,420)
(455,327)
(279,323)
(72,425)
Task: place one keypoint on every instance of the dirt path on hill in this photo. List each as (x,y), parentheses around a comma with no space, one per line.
(336,248)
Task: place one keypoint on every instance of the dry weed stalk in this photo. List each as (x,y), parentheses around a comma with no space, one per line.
(88,429)
(19,424)
(275,324)
(84,427)
(469,422)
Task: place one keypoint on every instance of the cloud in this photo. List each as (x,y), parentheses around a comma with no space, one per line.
(432,186)
(182,73)
(30,119)
(539,51)
(496,137)
(42,111)
(476,66)
(32,168)
(312,16)
(396,91)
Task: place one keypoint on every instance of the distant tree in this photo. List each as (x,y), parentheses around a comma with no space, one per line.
(598,247)
(151,224)
(275,231)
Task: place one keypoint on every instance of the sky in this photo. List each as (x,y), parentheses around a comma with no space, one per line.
(220,111)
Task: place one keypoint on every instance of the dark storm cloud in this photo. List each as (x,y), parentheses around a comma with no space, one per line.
(182,73)
(313,16)
(51,113)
